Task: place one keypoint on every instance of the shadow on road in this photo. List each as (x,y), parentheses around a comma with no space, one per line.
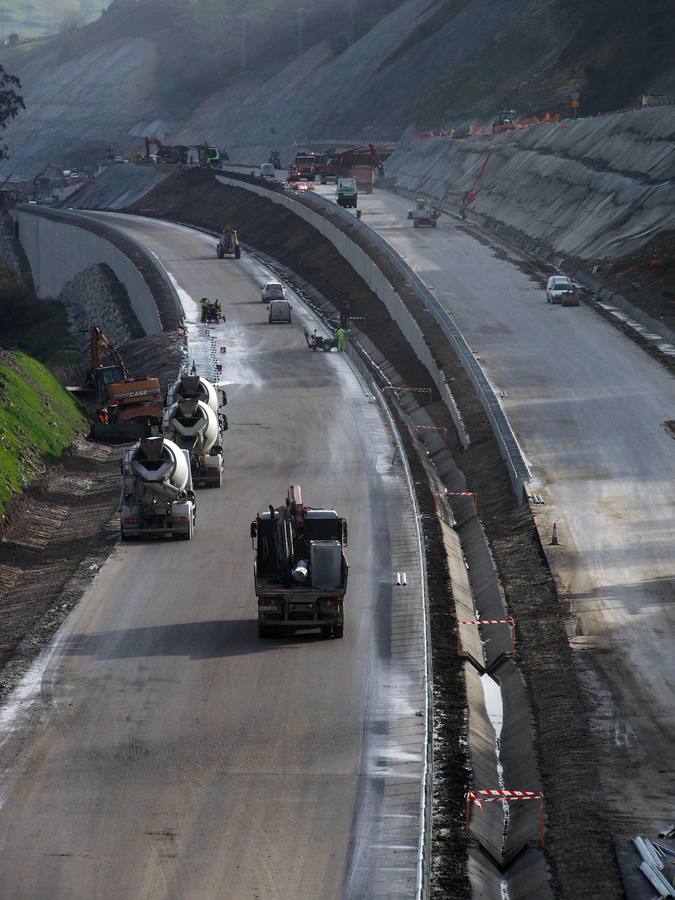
(196,640)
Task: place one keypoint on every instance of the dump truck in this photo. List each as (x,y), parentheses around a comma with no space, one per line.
(157,498)
(193,426)
(364,176)
(305,165)
(300,569)
(346,193)
(424,215)
(228,243)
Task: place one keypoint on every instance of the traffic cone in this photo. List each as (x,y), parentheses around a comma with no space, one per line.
(554,535)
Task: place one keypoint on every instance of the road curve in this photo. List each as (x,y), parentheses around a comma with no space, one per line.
(159,749)
(588,407)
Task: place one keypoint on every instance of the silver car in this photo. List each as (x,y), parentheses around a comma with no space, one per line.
(561,289)
(273,290)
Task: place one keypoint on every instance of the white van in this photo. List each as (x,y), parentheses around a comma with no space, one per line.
(266,171)
(279,311)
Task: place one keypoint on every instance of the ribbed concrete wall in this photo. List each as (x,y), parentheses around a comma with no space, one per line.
(58,251)
(594,188)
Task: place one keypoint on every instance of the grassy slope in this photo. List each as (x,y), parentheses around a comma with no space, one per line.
(45,16)
(38,420)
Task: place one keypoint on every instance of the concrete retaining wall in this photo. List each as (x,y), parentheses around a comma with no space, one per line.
(364,266)
(60,246)
(97,297)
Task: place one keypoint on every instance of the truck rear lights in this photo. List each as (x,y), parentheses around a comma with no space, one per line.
(333,602)
(130,520)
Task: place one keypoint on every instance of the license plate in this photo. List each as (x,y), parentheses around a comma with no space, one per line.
(267,609)
(301,606)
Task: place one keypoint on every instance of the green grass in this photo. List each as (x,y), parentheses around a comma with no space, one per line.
(492,65)
(46,16)
(38,420)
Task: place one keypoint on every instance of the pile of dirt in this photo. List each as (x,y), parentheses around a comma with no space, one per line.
(578,845)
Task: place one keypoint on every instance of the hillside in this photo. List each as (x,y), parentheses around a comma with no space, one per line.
(41,17)
(38,420)
(322,73)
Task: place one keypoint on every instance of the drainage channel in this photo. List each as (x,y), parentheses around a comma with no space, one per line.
(505,857)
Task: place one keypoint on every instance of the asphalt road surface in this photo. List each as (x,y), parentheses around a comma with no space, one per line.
(159,749)
(588,408)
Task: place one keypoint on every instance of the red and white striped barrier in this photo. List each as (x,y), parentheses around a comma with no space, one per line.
(479,797)
(409,390)
(509,620)
(446,493)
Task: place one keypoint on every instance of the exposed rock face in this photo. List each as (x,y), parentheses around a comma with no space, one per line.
(97,297)
(596,188)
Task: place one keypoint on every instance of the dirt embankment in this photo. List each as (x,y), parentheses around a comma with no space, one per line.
(57,534)
(578,845)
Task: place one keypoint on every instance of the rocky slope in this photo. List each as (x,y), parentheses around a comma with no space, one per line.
(592,189)
(410,63)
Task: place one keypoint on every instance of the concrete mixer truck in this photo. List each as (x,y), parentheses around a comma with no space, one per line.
(195,387)
(157,496)
(194,427)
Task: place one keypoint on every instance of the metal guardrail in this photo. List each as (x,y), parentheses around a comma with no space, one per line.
(519,472)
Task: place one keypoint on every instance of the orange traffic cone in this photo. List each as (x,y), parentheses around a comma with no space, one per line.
(554,535)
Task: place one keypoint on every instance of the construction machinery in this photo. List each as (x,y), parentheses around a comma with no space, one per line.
(424,215)
(228,243)
(305,166)
(211,311)
(194,426)
(346,193)
(132,405)
(157,496)
(329,166)
(196,387)
(300,569)
(505,121)
(317,341)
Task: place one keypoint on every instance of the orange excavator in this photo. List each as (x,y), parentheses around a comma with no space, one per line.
(121,400)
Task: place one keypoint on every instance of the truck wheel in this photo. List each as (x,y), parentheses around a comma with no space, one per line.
(338,630)
(326,631)
(220,254)
(237,253)
(264,631)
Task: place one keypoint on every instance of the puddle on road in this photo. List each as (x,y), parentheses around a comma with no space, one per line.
(493,705)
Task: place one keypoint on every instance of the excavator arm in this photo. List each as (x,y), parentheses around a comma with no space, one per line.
(100,347)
